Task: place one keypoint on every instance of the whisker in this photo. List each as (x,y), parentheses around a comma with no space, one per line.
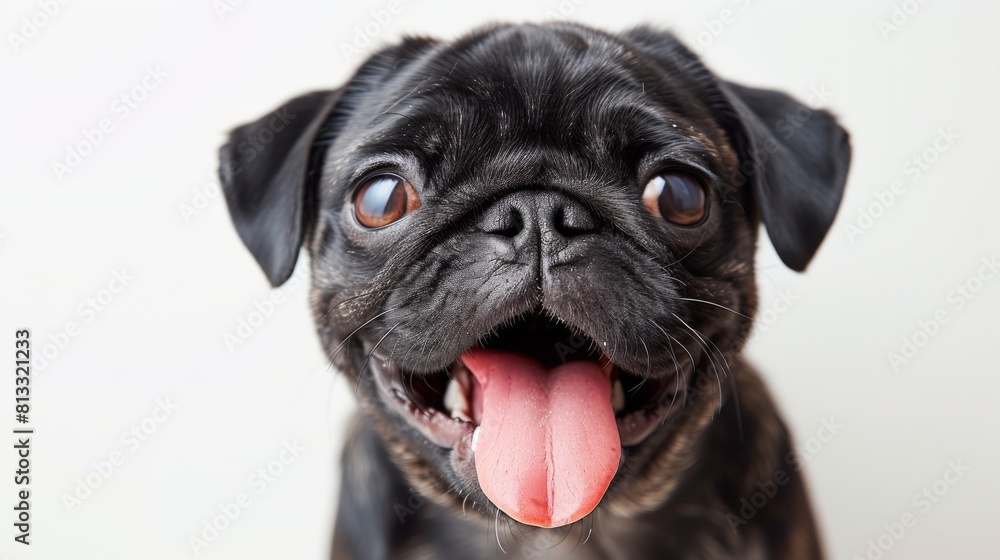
(409,93)
(674,397)
(339,347)
(365,293)
(711,355)
(713,363)
(649,366)
(688,254)
(364,365)
(496,531)
(728,368)
(715,304)
(677,367)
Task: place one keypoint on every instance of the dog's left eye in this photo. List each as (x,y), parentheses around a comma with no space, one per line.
(676,196)
(383,199)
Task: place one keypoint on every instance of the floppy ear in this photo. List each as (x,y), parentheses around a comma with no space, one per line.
(795,159)
(264,170)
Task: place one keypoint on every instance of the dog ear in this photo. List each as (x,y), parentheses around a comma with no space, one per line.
(264,170)
(796,160)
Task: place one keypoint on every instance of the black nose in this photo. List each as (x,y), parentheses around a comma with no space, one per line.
(539,215)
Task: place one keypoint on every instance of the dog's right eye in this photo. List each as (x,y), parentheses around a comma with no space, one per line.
(676,196)
(383,199)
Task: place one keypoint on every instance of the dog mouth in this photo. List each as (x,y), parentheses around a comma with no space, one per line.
(539,410)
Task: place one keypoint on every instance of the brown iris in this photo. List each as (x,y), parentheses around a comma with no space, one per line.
(383,199)
(676,196)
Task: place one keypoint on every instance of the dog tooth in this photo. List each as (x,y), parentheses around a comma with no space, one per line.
(475,438)
(455,402)
(453,397)
(618,396)
(461,374)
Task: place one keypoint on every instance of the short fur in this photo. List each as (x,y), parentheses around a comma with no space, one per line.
(562,124)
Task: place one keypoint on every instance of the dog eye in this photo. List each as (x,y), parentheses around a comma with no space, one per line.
(383,199)
(676,196)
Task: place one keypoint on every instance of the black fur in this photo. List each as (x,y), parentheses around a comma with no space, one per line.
(529,146)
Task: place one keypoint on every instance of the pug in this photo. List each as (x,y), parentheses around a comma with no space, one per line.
(532,257)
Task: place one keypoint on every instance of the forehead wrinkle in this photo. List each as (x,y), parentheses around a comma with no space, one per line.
(522,70)
(603,136)
(467,111)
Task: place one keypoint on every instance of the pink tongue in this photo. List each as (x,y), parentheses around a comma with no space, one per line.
(548,444)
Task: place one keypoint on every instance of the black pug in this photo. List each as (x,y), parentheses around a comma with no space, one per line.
(532,254)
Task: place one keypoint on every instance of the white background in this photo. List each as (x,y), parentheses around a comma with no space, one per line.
(825,356)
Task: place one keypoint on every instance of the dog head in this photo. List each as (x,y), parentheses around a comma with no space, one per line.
(529,243)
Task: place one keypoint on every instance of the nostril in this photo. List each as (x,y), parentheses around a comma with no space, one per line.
(528,213)
(506,224)
(514,226)
(573,219)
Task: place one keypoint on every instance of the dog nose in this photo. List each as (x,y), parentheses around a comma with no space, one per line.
(525,214)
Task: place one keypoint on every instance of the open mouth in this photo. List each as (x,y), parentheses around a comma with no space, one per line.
(542,410)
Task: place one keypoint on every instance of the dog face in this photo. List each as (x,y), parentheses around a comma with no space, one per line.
(529,244)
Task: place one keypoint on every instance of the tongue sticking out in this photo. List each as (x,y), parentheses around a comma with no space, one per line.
(548,445)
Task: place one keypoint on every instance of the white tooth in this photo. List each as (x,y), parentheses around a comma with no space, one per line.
(618,396)
(475,438)
(460,374)
(455,401)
